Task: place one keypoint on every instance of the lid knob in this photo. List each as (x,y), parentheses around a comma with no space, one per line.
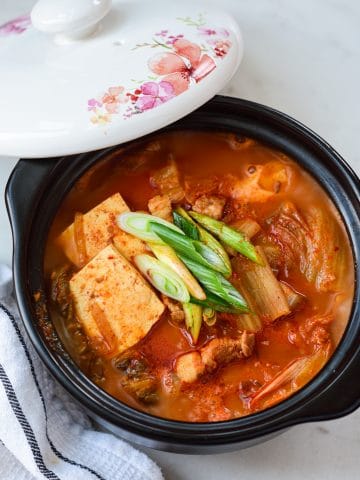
(69,20)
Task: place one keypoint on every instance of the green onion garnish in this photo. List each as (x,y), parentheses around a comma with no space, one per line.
(193,319)
(183,220)
(183,245)
(162,277)
(186,223)
(216,284)
(138,224)
(229,236)
(209,316)
(216,303)
(167,255)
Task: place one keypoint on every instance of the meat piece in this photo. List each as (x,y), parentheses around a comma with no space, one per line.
(167,181)
(97,229)
(218,352)
(244,190)
(261,184)
(189,367)
(221,351)
(274,176)
(211,205)
(175,309)
(160,206)
(196,187)
(113,302)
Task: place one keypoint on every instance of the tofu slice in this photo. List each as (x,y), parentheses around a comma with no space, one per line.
(128,245)
(100,228)
(113,302)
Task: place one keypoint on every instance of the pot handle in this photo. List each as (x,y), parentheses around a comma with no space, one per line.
(22,190)
(340,399)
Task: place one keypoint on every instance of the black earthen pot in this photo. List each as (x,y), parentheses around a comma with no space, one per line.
(36,189)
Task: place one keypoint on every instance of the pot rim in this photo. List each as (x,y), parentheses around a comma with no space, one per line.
(294,410)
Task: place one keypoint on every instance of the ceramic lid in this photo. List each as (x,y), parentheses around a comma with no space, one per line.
(79,76)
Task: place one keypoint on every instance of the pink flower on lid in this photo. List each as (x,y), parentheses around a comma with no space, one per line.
(180,67)
(93,104)
(162,33)
(211,32)
(154,94)
(172,39)
(18,25)
(221,47)
(112,98)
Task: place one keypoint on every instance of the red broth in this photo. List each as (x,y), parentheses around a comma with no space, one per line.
(205,161)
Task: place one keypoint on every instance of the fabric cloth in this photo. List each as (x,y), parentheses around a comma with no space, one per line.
(43,433)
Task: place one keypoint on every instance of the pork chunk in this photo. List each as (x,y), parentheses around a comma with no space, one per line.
(167,181)
(176,311)
(160,206)
(218,352)
(99,227)
(211,205)
(189,367)
(261,183)
(113,302)
(221,351)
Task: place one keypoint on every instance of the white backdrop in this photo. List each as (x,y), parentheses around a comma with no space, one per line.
(301,57)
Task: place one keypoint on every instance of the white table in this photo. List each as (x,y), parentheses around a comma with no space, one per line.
(301,57)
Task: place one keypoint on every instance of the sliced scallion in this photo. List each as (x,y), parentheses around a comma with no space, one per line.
(168,256)
(193,319)
(193,249)
(183,220)
(216,303)
(209,316)
(235,239)
(138,224)
(162,277)
(186,223)
(216,284)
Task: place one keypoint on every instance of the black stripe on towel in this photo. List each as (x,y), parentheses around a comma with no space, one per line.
(28,431)
(53,448)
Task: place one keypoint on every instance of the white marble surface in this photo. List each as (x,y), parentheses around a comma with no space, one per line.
(301,57)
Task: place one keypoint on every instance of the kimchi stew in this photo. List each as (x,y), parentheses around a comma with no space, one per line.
(199,276)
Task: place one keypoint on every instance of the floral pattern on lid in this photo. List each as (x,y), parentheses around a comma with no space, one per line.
(180,65)
(16,26)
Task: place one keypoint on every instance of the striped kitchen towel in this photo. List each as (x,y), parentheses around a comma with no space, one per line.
(43,433)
